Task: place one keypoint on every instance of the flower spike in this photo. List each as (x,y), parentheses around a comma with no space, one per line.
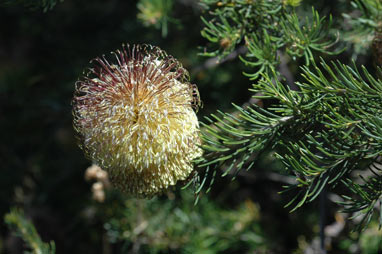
(134,117)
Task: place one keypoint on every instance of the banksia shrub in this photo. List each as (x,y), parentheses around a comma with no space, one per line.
(134,117)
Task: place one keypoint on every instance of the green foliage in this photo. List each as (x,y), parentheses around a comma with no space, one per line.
(325,127)
(368,200)
(302,38)
(264,52)
(371,240)
(25,229)
(292,2)
(155,13)
(322,132)
(160,226)
(267,27)
(362,24)
(231,20)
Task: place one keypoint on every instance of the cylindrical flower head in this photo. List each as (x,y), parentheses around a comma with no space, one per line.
(134,117)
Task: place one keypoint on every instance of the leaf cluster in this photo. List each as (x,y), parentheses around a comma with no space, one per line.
(155,13)
(328,128)
(369,197)
(26,230)
(361,25)
(265,29)
(159,226)
(231,20)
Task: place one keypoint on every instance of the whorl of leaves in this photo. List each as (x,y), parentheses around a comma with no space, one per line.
(264,28)
(323,132)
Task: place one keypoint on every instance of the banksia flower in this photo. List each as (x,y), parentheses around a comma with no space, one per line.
(134,117)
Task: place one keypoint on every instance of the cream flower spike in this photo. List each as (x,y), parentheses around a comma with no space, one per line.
(135,118)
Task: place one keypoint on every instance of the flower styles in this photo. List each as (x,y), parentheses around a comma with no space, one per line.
(135,118)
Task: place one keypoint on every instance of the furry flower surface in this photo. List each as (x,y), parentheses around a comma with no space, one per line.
(134,117)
